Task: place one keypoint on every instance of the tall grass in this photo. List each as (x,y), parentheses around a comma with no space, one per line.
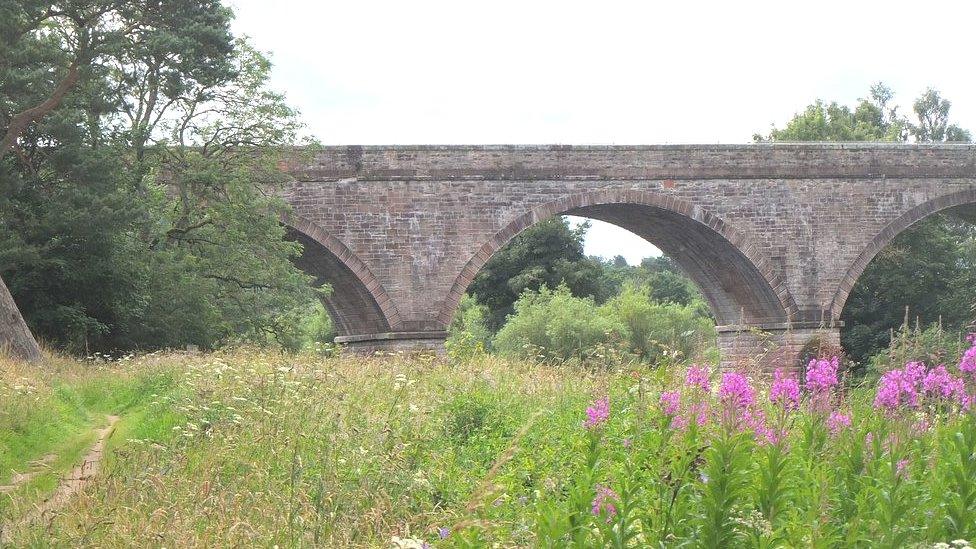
(245,448)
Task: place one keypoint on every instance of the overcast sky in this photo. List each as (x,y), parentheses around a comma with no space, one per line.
(599,72)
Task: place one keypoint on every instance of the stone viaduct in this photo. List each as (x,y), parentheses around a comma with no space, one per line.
(775,235)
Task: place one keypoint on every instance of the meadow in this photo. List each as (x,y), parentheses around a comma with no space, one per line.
(253,448)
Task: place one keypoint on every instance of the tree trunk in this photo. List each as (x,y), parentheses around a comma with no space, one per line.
(22,120)
(16,339)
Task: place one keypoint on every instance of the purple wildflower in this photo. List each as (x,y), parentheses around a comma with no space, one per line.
(822,374)
(900,387)
(598,414)
(443,532)
(670,401)
(699,377)
(679,423)
(603,502)
(938,382)
(968,361)
(785,390)
(700,412)
(837,422)
(755,420)
(735,391)
(900,468)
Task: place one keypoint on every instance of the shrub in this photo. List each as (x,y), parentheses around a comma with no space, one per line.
(554,325)
(468,336)
(652,328)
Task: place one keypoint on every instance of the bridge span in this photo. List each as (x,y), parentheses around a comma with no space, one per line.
(775,235)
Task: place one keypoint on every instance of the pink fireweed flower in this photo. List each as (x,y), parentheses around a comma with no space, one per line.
(700,412)
(785,390)
(680,423)
(735,391)
(598,414)
(822,374)
(900,387)
(670,401)
(699,377)
(755,420)
(837,422)
(697,411)
(900,468)
(968,361)
(737,397)
(603,502)
(939,383)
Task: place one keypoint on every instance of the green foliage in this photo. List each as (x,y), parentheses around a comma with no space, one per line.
(726,484)
(660,275)
(932,112)
(469,414)
(653,329)
(931,345)
(342,451)
(873,119)
(548,253)
(932,267)
(130,216)
(468,336)
(554,325)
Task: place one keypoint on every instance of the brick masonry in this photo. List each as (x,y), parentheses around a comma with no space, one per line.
(776,235)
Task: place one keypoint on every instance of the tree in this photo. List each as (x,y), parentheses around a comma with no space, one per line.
(135,212)
(547,254)
(873,119)
(930,264)
(15,338)
(933,124)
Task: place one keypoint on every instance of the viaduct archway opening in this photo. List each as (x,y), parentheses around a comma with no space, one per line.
(357,302)
(926,253)
(736,280)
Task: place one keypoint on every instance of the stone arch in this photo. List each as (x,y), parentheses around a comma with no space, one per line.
(739,282)
(890,231)
(358,303)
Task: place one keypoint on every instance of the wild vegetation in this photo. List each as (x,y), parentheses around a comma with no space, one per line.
(250,448)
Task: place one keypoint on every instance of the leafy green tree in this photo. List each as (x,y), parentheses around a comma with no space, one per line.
(668,284)
(932,112)
(468,334)
(926,268)
(873,119)
(131,215)
(549,253)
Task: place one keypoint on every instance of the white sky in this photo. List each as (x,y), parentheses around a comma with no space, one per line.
(600,72)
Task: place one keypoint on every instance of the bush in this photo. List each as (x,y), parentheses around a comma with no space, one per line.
(468,335)
(653,329)
(554,325)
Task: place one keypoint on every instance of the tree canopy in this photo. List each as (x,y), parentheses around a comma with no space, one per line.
(136,202)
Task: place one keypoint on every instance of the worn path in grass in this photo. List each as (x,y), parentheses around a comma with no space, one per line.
(69,485)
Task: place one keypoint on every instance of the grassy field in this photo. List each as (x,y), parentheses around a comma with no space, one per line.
(246,448)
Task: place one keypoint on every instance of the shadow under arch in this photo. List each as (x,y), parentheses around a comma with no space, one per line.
(737,280)
(358,302)
(942,204)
